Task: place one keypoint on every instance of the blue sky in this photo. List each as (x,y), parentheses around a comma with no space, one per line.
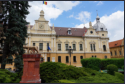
(76,13)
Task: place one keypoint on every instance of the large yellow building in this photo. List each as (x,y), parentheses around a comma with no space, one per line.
(85,42)
(117,48)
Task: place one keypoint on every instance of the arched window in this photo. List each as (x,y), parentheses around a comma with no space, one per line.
(74,58)
(105,57)
(67,59)
(59,58)
(81,57)
(104,47)
(95,56)
(92,56)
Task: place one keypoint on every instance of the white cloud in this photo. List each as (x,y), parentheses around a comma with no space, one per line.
(50,11)
(114,24)
(71,16)
(83,16)
(100,3)
(64,5)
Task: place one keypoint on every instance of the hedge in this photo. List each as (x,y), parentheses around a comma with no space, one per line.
(118,62)
(93,63)
(96,63)
(50,71)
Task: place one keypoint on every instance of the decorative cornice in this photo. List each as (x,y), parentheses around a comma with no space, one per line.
(58,41)
(66,41)
(92,42)
(74,42)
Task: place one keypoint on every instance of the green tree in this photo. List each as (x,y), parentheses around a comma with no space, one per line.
(16,12)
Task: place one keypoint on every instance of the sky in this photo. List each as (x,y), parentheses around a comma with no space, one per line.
(77,14)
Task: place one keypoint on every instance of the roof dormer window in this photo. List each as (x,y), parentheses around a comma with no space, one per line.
(101,29)
(69,31)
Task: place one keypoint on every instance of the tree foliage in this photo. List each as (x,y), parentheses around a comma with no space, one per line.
(15,13)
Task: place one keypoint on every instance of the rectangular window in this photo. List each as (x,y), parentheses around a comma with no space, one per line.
(47,46)
(74,46)
(40,46)
(115,53)
(81,47)
(59,58)
(91,47)
(66,45)
(74,58)
(94,47)
(59,47)
(111,53)
(81,57)
(120,53)
(33,44)
(67,59)
(48,59)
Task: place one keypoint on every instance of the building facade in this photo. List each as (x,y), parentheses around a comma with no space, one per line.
(117,48)
(85,42)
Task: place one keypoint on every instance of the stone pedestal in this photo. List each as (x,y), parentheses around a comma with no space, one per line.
(31,68)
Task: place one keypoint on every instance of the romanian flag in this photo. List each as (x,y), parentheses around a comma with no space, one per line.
(44,2)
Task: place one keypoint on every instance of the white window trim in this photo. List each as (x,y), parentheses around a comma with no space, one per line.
(82,47)
(65,46)
(75,46)
(58,47)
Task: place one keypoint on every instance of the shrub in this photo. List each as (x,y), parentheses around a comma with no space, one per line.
(111,68)
(65,81)
(93,63)
(8,77)
(50,71)
(115,61)
(99,78)
(119,75)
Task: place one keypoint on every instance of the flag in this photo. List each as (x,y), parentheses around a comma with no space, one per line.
(44,2)
(49,48)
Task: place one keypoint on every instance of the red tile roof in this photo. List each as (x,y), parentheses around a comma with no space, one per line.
(115,43)
(63,31)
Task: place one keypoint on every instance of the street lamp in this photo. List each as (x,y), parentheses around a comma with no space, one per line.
(70,52)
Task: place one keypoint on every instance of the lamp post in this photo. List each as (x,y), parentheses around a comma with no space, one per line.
(70,52)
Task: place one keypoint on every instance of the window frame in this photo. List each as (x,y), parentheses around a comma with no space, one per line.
(120,53)
(105,57)
(47,46)
(59,46)
(74,60)
(40,46)
(104,47)
(67,59)
(81,47)
(59,58)
(48,59)
(33,44)
(115,53)
(73,47)
(81,56)
(66,48)
(111,53)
